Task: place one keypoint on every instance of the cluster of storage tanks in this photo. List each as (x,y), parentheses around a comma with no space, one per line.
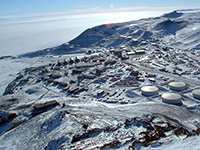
(170,97)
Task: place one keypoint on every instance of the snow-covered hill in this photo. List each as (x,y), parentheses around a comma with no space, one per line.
(180,30)
(177,29)
(89,93)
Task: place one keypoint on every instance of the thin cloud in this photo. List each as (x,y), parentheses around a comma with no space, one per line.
(10,11)
(98,10)
(124,9)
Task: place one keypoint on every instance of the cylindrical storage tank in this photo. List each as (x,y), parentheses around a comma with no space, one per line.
(196,94)
(171,98)
(149,90)
(177,86)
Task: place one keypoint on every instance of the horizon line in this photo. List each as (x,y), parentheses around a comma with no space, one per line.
(93,10)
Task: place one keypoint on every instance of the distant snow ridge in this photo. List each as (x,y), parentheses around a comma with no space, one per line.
(173,14)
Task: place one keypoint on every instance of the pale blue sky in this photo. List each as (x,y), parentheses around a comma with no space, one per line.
(28,7)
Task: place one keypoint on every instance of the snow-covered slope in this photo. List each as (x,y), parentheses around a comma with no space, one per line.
(177,29)
(87,94)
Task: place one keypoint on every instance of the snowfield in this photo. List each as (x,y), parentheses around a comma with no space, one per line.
(88,93)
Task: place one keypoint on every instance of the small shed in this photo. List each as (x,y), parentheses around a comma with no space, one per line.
(45,105)
(139,52)
(131,53)
(56,74)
